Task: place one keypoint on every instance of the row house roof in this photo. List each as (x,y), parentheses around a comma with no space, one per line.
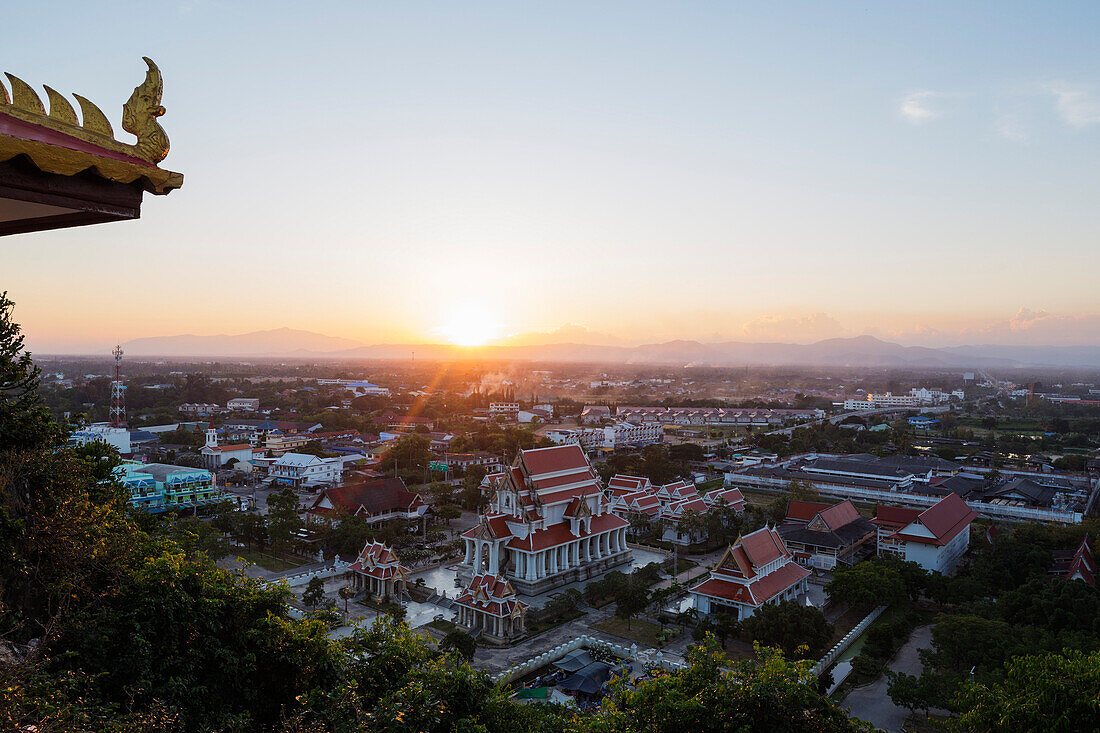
(733,497)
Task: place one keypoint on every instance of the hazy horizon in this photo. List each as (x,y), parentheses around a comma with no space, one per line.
(443,174)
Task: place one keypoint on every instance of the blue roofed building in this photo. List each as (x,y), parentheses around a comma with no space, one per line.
(160,487)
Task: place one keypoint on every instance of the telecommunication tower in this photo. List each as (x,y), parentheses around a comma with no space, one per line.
(118,393)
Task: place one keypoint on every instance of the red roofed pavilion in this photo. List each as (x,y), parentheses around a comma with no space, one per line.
(758,569)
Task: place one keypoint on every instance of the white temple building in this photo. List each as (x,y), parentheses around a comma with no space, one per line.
(547,525)
(491,604)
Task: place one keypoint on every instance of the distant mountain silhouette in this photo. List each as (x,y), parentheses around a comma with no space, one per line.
(859,351)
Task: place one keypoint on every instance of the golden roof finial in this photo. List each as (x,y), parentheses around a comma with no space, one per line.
(138,116)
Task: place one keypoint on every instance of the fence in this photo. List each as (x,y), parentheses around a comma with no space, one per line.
(338,567)
(581,642)
(849,639)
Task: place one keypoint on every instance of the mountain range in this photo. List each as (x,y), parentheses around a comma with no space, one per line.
(859,351)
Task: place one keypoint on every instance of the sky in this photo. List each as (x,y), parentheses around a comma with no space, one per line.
(422,171)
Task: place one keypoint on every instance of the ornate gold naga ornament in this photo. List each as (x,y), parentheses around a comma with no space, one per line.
(139,116)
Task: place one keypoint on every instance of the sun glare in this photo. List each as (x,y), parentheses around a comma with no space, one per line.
(469,324)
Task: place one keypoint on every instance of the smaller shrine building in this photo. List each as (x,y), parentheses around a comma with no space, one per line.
(490,603)
(378,572)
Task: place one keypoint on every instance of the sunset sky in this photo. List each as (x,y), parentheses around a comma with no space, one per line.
(395,172)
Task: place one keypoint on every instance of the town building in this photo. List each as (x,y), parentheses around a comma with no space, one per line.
(215,456)
(379,500)
(610,437)
(823,536)
(595,414)
(304,470)
(935,538)
(160,487)
(243,404)
(716,415)
(1076,564)
(378,573)
(278,443)
(465,461)
(535,414)
(119,438)
(507,410)
(490,604)
(733,498)
(547,524)
(366,389)
(758,569)
(200,408)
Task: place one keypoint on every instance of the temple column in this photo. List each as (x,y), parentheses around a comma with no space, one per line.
(494,559)
(477,557)
(469,558)
(553,562)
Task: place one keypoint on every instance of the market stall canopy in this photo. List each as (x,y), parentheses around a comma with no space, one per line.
(57,171)
(588,680)
(574,660)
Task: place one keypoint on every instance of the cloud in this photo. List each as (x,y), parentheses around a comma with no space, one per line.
(1011,128)
(1077,106)
(1035,328)
(772,327)
(916,106)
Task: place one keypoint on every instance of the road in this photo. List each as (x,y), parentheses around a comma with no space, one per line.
(872,703)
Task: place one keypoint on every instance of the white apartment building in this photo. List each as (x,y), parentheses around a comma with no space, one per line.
(243,404)
(624,434)
(611,437)
(505,409)
(892,400)
(302,469)
(117,437)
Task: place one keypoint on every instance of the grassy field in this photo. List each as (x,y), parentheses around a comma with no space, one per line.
(642,632)
(267,562)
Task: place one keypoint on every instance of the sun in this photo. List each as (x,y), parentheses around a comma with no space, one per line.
(469,324)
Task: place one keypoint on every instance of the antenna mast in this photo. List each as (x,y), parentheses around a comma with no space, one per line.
(118,393)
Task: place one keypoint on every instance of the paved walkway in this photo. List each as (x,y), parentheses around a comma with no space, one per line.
(872,703)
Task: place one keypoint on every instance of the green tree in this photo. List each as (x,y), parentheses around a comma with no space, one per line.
(766,693)
(283,521)
(459,642)
(789,625)
(206,645)
(25,421)
(630,600)
(314,593)
(447,512)
(1047,692)
(866,584)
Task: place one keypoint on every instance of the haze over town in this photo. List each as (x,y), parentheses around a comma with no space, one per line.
(647,172)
